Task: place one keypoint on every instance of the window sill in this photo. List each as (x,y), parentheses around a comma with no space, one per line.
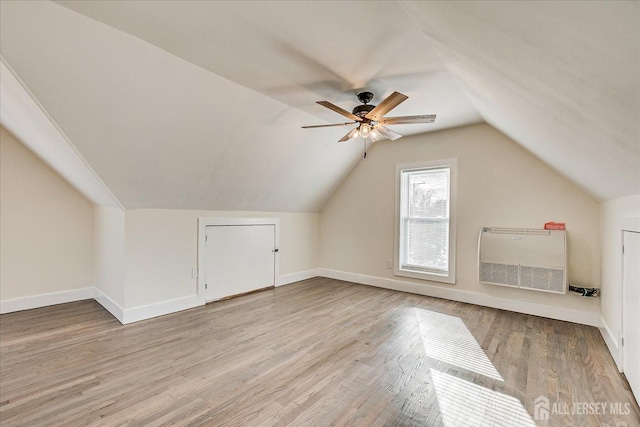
(432,277)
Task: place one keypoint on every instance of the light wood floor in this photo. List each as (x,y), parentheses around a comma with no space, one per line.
(321,352)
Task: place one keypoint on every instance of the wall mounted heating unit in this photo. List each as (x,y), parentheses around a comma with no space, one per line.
(523,258)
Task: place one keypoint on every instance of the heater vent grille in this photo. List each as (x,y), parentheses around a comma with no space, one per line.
(523,258)
(542,279)
(502,274)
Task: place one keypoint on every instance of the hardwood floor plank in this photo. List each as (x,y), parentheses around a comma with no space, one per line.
(320,352)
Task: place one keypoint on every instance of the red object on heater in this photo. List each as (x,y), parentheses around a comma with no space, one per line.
(554,226)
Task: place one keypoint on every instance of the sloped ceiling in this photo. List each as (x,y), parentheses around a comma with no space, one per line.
(560,78)
(198,105)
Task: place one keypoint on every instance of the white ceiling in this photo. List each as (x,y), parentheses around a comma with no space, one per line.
(560,78)
(198,105)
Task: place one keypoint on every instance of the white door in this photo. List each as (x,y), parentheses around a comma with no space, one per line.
(239,259)
(631,310)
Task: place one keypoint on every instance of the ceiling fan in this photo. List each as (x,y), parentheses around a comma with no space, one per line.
(370,118)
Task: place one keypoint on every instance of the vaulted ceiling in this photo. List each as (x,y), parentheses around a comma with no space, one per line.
(198,105)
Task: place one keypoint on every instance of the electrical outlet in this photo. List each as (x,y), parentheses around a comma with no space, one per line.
(194,272)
(389,264)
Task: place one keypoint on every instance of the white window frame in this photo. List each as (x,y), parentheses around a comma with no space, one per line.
(432,275)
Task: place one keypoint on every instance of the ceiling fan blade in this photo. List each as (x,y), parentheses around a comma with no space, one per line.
(349,135)
(389,103)
(326,126)
(407,120)
(339,110)
(388,133)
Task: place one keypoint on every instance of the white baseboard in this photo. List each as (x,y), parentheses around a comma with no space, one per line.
(125,316)
(296,277)
(612,343)
(570,315)
(144,312)
(171,306)
(43,300)
(110,305)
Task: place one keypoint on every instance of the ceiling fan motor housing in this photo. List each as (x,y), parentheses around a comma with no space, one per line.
(365,97)
(362,110)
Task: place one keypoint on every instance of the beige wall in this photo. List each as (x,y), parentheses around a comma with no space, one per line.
(615,215)
(499,184)
(50,232)
(162,247)
(46,227)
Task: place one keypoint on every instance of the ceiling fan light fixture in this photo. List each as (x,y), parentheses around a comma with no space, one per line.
(365,130)
(374,135)
(353,134)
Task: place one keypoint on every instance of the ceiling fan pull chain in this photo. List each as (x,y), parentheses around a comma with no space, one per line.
(365,147)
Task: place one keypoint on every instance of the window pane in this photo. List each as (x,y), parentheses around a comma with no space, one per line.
(428,244)
(429,193)
(425,201)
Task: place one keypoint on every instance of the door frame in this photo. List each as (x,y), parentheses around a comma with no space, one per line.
(204,222)
(627,224)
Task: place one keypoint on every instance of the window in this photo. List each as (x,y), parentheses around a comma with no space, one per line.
(425,221)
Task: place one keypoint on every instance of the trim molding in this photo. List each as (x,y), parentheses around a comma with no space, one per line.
(43,300)
(296,277)
(611,342)
(124,316)
(161,308)
(590,318)
(110,305)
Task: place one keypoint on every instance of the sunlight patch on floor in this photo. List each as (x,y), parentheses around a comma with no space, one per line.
(446,338)
(463,403)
